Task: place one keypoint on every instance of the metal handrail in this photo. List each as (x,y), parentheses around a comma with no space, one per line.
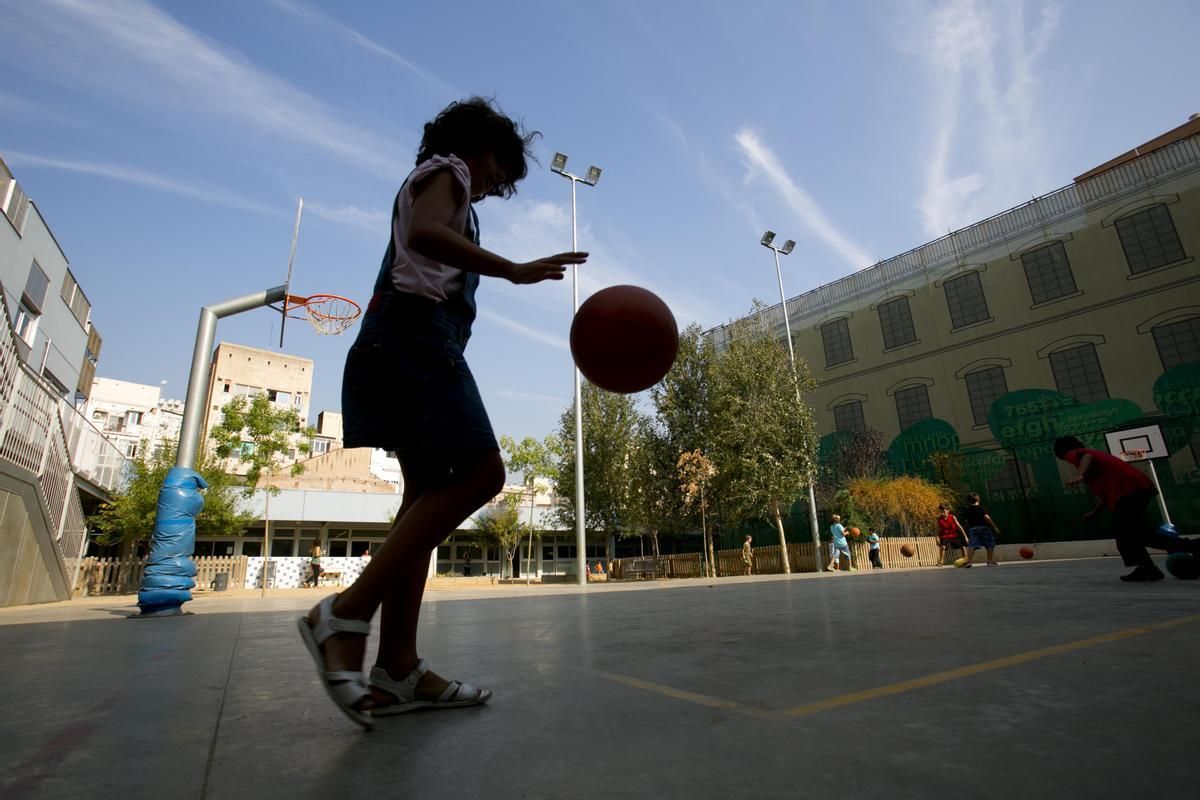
(33,437)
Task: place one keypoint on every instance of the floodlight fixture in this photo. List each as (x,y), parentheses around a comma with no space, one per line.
(559,163)
(593,175)
(767,238)
(787,247)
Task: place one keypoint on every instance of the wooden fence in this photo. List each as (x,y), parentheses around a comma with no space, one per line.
(768,560)
(123,575)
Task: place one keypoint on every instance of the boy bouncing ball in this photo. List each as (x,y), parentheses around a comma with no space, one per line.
(907,551)
(1026,552)
(624,339)
(1184,566)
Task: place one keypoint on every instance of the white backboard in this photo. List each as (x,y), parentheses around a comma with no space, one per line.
(1137,444)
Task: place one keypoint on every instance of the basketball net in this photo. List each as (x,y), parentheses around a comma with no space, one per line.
(329,314)
(1133,455)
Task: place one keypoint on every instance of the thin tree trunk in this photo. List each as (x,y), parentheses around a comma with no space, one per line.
(654,539)
(783,554)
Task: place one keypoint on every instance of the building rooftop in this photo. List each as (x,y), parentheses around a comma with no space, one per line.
(1176,152)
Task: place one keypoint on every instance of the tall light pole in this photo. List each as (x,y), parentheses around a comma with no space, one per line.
(559,166)
(767,241)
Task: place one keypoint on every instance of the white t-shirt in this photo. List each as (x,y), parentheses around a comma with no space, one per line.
(412,272)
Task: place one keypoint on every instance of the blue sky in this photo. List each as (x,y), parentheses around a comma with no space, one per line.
(167,142)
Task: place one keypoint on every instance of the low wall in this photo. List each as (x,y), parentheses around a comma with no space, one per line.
(1091,548)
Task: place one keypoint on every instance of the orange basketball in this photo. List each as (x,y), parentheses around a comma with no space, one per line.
(855,532)
(624,339)
(1026,552)
(907,550)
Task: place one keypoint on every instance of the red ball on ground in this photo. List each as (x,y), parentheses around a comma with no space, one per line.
(1026,552)
(624,339)
(907,551)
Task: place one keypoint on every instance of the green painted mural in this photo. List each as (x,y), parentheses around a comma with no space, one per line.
(1021,480)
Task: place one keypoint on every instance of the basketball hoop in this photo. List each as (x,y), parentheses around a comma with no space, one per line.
(1133,455)
(329,314)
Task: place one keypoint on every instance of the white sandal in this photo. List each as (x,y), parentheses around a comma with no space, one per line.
(457,694)
(345,688)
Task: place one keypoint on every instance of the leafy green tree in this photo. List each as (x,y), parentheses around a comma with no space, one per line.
(260,435)
(683,399)
(609,425)
(655,503)
(534,460)
(682,422)
(128,517)
(501,523)
(767,449)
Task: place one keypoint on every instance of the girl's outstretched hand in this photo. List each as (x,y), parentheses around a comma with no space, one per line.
(551,268)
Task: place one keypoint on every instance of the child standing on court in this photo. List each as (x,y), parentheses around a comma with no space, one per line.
(951,535)
(1126,492)
(873,540)
(407,388)
(838,546)
(981,530)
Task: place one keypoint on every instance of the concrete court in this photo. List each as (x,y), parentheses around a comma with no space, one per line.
(1033,680)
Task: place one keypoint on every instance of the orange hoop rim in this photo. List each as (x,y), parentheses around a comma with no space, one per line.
(294,302)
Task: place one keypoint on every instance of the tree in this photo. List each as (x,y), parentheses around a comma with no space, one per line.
(259,434)
(911,502)
(857,453)
(533,459)
(609,424)
(682,423)
(655,504)
(501,523)
(767,448)
(683,399)
(695,472)
(129,515)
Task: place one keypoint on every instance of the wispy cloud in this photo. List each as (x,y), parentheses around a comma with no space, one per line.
(523,230)
(708,171)
(980,59)
(525,330)
(133,49)
(762,161)
(372,221)
(327,23)
(141,177)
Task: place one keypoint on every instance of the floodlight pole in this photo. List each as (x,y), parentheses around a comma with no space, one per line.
(560,161)
(787,325)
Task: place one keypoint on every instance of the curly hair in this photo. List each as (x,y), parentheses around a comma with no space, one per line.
(474,127)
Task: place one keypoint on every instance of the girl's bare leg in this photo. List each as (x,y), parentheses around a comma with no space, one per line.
(395,577)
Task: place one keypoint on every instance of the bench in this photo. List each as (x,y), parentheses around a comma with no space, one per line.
(642,568)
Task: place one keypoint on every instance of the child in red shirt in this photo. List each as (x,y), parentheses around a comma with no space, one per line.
(950,534)
(1126,492)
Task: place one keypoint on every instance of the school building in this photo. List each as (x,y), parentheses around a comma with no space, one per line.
(1075,313)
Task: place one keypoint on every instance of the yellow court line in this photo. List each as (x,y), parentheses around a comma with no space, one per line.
(894,688)
(691,697)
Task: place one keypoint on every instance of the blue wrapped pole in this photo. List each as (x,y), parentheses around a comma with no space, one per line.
(167,582)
